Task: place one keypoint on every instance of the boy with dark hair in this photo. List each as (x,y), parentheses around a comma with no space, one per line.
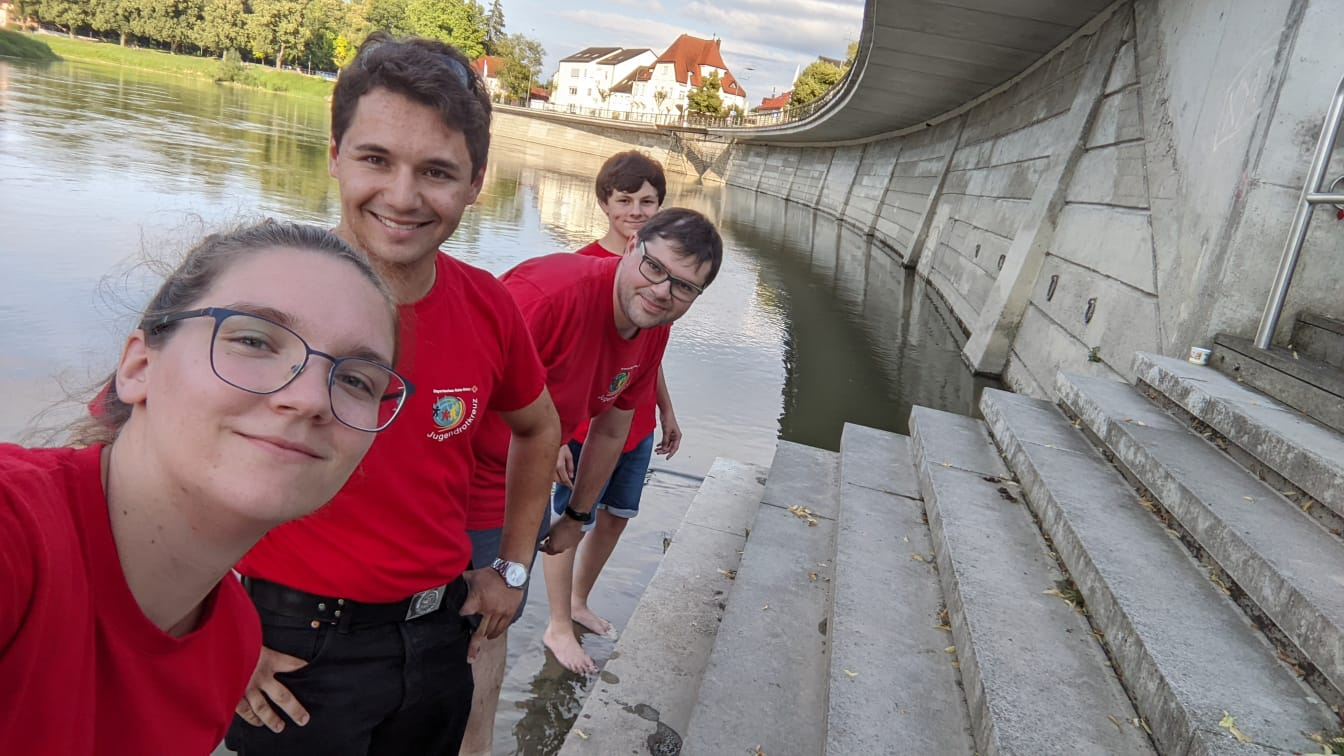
(367,643)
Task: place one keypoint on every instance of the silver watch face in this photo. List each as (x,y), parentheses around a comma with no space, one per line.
(514,574)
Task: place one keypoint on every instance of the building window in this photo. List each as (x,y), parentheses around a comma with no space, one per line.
(573,91)
(574,72)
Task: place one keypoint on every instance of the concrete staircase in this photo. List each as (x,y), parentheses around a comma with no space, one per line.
(1307,375)
(1142,569)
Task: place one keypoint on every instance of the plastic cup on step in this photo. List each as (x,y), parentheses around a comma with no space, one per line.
(1199,356)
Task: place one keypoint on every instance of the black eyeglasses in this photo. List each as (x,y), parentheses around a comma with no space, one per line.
(654,272)
(260,356)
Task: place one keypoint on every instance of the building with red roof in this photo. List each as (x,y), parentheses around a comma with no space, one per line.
(774,104)
(489,66)
(684,67)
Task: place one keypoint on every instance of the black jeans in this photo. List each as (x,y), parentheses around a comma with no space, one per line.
(371,689)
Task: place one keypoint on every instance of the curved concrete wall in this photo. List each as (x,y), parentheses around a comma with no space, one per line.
(1131,192)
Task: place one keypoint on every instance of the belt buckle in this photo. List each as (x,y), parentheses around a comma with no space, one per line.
(426,601)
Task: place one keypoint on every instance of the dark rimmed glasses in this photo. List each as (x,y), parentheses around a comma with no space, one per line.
(261,356)
(654,272)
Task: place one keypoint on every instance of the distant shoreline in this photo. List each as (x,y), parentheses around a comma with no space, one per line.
(260,77)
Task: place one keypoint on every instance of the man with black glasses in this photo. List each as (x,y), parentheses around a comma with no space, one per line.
(366,646)
(600,327)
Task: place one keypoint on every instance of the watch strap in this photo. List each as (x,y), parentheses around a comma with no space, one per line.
(573,514)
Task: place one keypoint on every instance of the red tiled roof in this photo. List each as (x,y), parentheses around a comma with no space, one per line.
(687,54)
(489,65)
(776,103)
(540,93)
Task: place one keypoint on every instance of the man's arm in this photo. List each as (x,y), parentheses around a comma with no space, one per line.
(527,490)
(601,450)
(667,417)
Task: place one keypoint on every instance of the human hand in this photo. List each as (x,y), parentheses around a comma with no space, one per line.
(255,709)
(564,467)
(489,596)
(565,534)
(671,439)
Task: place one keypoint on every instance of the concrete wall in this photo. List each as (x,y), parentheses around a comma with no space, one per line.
(1130,192)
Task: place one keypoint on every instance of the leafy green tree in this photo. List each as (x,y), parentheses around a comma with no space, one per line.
(112,17)
(460,23)
(222,26)
(494,29)
(277,28)
(66,15)
(705,98)
(389,15)
(820,75)
(522,65)
(166,22)
(325,20)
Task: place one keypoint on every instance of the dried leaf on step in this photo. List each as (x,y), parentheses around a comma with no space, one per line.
(1148,505)
(947,464)
(758,751)
(730,574)
(917,557)
(851,674)
(812,576)
(1115,722)
(950,650)
(580,733)
(1059,595)
(1230,724)
(956,665)
(905,539)
(803,513)
(1142,724)
(1248,498)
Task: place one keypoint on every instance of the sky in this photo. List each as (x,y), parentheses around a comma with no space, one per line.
(764,41)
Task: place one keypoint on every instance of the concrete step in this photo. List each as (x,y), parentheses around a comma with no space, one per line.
(1319,338)
(1284,561)
(1187,654)
(1308,386)
(643,698)
(766,681)
(892,687)
(1302,452)
(1036,679)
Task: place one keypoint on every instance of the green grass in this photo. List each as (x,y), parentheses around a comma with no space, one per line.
(262,77)
(15,44)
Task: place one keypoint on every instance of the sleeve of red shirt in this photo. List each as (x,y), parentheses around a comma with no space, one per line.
(17,573)
(524,377)
(643,389)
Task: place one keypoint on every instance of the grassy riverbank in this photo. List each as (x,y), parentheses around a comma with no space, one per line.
(24,47)
(261,77)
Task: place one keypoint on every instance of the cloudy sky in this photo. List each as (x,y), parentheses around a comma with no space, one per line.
(764,41)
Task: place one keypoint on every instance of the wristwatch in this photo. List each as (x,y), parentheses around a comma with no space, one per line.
(514,574)
(574,514)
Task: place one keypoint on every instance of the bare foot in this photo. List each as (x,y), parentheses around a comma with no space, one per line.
(589,619)
(568,651)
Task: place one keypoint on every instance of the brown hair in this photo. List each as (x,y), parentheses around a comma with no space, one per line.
(426,71)
(191,279)
(627,172)
(691,233)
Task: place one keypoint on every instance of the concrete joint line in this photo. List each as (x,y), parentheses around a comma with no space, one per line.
(992,336)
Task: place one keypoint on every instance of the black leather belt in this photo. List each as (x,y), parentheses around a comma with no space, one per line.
(319,610)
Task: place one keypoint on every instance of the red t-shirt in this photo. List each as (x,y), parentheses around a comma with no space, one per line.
(397,527)
(566,300)
(644,421)
(83,670)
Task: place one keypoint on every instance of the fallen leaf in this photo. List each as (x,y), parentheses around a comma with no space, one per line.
(1058,594)
(905,538)
(1306,505)
(803,513)
(944,628)
(956,665)
(758,751)
(1248,498)
(1115,722)
(950,650)
(1230,724)
(580,733)
(767,606)
(730,574)
(1140,723)
(812,575)
(851,674)
(919,557)
(947,464)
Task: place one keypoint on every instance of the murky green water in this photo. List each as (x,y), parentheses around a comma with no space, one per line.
(808,326)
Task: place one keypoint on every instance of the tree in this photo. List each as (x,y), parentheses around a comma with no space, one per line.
(324,21)
(277,27)
(167,22)
(221,27)
(111,17)
(388,15)
(66,15)
(705,98)
(522,65)
(494,29)
(460,23)
(820,75)
(659,96)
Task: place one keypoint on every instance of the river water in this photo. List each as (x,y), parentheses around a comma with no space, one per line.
(807,327)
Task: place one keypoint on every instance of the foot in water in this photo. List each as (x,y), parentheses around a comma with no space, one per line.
(567,650)
(589,619)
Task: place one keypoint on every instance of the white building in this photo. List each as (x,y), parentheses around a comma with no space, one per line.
(664,87)
(586,79)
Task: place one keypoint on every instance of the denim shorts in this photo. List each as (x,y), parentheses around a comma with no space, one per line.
(485,549)
(620,496)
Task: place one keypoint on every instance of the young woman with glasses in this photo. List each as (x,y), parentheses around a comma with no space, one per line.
(250,389)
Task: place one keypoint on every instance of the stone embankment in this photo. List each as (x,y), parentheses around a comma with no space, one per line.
(1147,568)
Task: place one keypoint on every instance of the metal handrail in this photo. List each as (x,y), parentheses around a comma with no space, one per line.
(1297,232)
